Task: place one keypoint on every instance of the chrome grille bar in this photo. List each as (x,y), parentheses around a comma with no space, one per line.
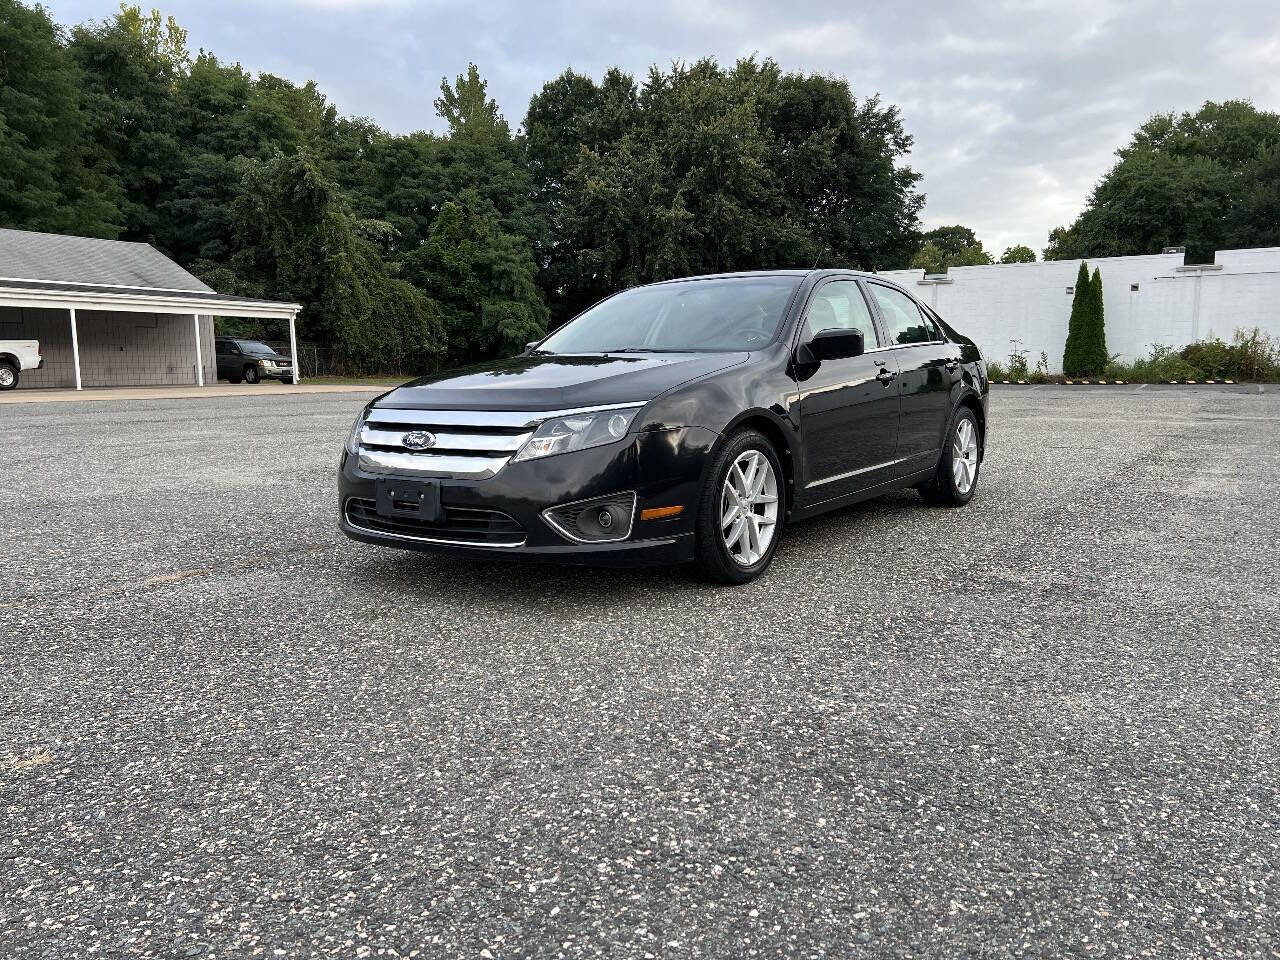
(449,440)
(476,419)
(430,465)
(466,444)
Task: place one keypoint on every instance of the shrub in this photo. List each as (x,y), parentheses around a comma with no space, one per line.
(1041,373)
(1164,364)
(1251,355)
(996,370)
(1017,362)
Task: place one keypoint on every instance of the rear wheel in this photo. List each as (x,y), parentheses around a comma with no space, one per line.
(251,374)
(8,375)
(741,511)
(956,481)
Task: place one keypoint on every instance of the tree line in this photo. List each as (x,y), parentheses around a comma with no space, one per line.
(414,251)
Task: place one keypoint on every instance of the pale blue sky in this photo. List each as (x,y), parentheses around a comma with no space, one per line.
(1015,106)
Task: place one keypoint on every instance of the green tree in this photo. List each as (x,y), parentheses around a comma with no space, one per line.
(468,109)
(46,182)
(1197,180)
(483,282)
(1076,355)
(1019,253)
(222,116)
(298,239)
(1095,344)
(131,66)
(944,247)
(704,168)
(931,258)
(952,240)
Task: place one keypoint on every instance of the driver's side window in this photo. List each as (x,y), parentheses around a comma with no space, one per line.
(839,304)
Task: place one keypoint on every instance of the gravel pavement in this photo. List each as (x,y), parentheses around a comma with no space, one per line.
(1043,725)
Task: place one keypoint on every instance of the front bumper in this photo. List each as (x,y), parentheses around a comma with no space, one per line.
(663,467)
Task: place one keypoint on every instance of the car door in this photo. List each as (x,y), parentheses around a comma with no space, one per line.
(927,368)
(223,351)
(849,406)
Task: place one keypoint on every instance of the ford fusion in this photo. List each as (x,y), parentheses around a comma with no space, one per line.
(682,422)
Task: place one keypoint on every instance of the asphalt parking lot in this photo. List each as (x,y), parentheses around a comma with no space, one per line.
(1044,725)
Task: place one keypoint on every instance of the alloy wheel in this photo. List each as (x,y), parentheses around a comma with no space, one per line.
(964,456)
(6,377)
(749,507)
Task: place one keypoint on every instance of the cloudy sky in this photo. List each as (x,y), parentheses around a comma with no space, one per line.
(1016,107)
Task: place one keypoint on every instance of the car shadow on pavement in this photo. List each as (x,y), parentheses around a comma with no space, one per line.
(483,581)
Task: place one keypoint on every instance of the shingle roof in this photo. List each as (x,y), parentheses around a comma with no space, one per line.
(51,258)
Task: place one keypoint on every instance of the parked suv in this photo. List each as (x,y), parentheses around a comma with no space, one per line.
(682,421)
(16,356)
(250,361)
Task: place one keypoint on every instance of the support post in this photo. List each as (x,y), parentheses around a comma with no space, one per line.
(293,345)
(75,348)
(1195,309)
(195,317)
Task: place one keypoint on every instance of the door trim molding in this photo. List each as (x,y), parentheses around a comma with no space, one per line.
(855,473)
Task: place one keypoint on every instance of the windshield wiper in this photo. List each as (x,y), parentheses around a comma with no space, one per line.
(648,350)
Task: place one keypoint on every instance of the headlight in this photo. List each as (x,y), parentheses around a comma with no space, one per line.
(578,431)
(353,441)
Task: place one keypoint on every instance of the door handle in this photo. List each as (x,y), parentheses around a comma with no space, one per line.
(951,365)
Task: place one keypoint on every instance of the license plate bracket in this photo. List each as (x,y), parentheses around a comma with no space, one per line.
(409,499)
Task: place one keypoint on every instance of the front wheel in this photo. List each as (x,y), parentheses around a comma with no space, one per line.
(956,481)
(251,375)
(8,375)
(741,511)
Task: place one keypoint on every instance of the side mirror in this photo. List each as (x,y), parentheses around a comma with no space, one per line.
(837,344)
(528,347)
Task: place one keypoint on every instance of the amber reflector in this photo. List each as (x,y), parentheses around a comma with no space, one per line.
(659,513)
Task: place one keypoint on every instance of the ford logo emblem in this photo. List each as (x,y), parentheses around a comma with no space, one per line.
(419,440)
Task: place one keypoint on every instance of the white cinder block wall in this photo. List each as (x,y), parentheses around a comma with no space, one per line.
(1147,300)
(116,349)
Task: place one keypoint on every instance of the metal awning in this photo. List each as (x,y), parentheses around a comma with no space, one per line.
(66,295)
(71,296)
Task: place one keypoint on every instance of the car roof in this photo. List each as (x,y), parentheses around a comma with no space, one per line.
(823,272)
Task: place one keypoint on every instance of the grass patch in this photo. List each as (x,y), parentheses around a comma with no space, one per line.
(356,381)
(1251,357)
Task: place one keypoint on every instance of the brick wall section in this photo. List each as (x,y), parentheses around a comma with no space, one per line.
(116,349)
(1029,302)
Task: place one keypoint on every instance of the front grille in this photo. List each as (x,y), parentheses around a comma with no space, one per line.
(463,525)
(465,444)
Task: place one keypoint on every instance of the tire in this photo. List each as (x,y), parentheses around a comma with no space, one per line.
(8,375)
(954,486)
(251,375)
(738,552)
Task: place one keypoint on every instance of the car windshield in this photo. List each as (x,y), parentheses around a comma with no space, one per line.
(254,348)
(738,313)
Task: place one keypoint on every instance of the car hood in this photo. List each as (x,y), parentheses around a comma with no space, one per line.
(557,382)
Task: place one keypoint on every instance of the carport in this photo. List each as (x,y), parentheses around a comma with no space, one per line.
(114,313)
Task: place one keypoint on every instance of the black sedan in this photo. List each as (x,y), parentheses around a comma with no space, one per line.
(685,421)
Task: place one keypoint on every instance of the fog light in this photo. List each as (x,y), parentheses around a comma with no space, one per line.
(598,520)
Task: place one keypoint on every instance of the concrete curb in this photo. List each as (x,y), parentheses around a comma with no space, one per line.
(185,392)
